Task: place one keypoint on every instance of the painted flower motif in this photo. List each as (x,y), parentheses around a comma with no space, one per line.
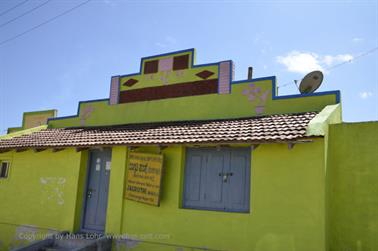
(164,77)
(53,189)
(255,93)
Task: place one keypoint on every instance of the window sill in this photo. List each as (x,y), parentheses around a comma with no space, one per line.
(243,212)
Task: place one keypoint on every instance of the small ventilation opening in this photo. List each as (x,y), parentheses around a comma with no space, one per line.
(4,169)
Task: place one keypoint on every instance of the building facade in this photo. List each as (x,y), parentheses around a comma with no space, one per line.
(181,156)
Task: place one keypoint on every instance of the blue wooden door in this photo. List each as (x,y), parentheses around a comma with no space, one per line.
(96,200)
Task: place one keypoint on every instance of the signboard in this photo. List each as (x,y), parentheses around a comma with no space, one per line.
(144,178)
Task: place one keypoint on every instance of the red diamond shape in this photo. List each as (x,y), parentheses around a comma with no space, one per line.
(205,74)
(130,82)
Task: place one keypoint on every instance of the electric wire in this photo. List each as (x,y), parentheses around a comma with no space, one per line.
(25,13)
(44,23)
(353,59)
(337,65)
(12,8)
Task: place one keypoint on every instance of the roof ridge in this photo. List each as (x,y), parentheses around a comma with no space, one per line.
(186,121)
(278,127)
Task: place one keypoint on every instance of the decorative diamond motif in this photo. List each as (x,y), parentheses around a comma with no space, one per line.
(130,82)
(205,74)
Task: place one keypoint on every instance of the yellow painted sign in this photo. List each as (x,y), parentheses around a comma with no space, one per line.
(144,178)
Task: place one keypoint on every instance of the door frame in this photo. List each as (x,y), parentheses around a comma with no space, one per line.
(84,195)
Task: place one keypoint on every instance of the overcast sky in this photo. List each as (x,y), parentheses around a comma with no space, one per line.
(72,57)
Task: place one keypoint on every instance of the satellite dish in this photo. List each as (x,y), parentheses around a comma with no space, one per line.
(311,82)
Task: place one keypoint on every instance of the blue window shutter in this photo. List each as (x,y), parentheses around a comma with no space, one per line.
(195,162)
(238,190)
(194,177)
(213,192)
(204,186)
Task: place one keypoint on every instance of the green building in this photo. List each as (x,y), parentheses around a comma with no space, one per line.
(180,156)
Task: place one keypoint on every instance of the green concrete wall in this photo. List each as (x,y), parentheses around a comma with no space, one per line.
(202,107)
(352,187)
(246,98)
(14,129)
(287,206)
(33,119)
(163,78)
(287,202)
(39,196)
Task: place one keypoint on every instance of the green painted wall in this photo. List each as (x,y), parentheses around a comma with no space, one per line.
(287,201)
(39,195)
(168,77)
(287,206)
(116,188)
(14,129)
(187,75)
(246,98)
(33,119)
(203,107)
(352,187)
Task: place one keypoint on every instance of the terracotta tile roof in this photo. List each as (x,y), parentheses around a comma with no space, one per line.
(285,127)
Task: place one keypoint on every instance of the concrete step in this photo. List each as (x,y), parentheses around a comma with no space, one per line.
(62,244)
(72,243)
(57,249)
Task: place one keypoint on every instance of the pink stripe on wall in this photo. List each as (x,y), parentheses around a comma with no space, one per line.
(114,91)
(225,77)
